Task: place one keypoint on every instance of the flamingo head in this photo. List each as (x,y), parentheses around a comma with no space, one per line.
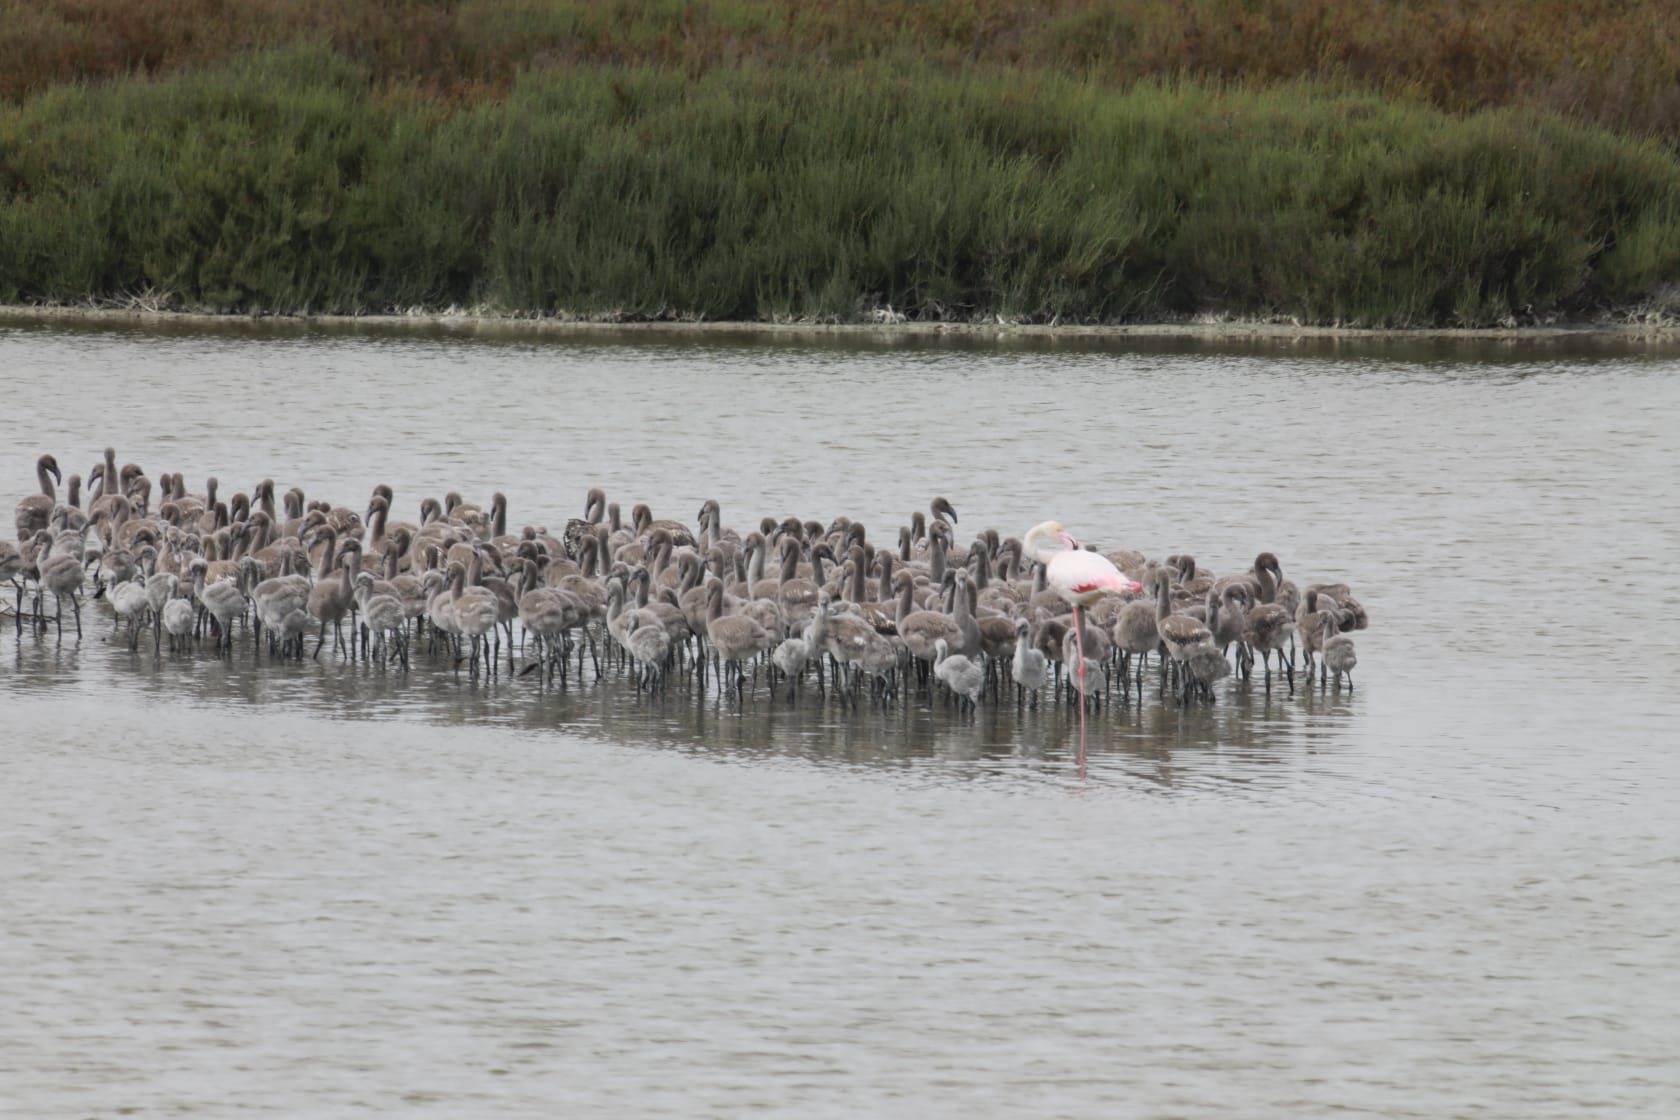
(1045,538)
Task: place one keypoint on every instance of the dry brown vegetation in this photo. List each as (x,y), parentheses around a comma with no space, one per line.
(1615,63)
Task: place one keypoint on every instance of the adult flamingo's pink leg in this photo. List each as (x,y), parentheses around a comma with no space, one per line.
(1079,578)
(1079,644)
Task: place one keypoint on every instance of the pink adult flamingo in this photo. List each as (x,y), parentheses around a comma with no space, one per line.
(1080,578)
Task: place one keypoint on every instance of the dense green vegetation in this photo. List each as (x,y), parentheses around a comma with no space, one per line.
(298,180)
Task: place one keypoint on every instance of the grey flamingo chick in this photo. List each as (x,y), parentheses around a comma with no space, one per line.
(34,513)
(385,617)
(276,599)
(734,638)
(855,646)
(1338,654)
(224,600)
(62,575)
(1179,634)
(792,654)
(547,613)
(1270,626)
(475,611)
(650,645)
(129,603)
(1207,665)
(1030,668)
(962,676)
(177,621)
(331,599)
(11,571)
(922,631)
(1135,632)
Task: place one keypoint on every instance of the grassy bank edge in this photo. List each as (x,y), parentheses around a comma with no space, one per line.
(1658,330)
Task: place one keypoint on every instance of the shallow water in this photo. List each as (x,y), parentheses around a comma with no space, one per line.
(327,890)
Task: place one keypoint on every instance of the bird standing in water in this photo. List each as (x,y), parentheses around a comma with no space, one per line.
(1080,578)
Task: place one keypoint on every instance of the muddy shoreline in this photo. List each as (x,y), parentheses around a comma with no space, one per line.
(1662,333)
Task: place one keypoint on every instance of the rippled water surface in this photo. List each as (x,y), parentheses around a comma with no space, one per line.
(326,890)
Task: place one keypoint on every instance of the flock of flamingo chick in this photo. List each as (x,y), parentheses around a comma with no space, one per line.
(1003,618)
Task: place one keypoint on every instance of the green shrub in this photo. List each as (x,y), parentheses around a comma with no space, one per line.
(290,182)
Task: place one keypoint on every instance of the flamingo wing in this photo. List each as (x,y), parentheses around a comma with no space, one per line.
(1081,577)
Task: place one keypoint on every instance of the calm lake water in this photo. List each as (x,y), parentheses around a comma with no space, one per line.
(322,890)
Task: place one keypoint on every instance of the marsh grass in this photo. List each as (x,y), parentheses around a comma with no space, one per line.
(293,181)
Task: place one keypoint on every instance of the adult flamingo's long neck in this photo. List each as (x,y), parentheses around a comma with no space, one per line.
(1045,540)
